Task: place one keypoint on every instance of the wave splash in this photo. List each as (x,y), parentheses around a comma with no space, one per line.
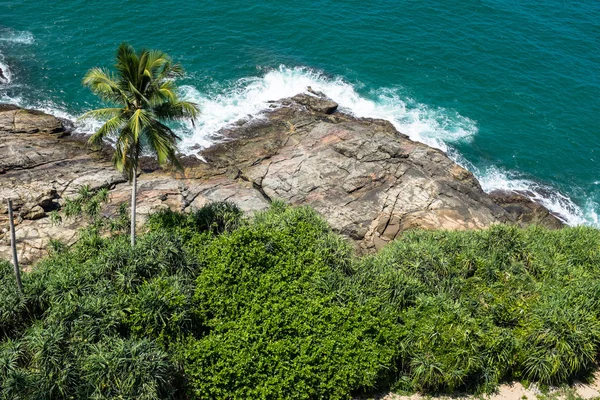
(249,97)
(9,36)
(492,178)
(5,75)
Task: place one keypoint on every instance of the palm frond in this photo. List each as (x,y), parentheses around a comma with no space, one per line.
(188,109)
(127,64)
(111,127)
(156,61)
(103,84)
(101,113)
(171,71)
(141,68)
(140,121)
(138,96)
(126,152)
(165,92)
(161,141)
(177,111)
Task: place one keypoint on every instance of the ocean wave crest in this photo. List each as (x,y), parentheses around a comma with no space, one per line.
(492,178)
(249,97)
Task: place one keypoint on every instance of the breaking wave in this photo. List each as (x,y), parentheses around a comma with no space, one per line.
(249,97)
(562,206)
(5,75)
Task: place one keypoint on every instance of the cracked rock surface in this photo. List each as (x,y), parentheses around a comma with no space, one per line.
(367,180)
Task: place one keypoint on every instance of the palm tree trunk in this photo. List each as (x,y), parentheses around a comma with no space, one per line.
(13,243)
(133,206)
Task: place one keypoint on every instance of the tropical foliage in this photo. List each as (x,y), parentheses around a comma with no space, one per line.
(144,98)
(212,305)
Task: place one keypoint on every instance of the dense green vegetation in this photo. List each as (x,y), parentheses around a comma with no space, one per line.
(210,305)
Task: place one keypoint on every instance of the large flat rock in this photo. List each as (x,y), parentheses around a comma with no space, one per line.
(369,181)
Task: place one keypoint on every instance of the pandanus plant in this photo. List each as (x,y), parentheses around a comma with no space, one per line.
(144,98)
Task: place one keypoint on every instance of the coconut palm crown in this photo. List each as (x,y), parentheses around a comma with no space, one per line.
(143,92)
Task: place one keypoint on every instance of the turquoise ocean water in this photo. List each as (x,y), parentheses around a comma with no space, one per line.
(508,88)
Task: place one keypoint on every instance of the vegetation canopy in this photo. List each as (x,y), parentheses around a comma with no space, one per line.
(211,305)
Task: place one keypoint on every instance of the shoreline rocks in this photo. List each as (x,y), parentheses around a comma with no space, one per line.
(367,180)
(523,210)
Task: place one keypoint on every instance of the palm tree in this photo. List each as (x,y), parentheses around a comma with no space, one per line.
(144,93)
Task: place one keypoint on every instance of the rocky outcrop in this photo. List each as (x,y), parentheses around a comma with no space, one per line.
(14,120)
(315,103)
(39,167)
(368,180)
(525,211)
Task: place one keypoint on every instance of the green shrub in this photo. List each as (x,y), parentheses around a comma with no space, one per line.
(161,309)
(82,315)
(446,348)
(15,381)
(528,299)
(90,317)
(51,361)
(559,341)
(214,217)
(274,332)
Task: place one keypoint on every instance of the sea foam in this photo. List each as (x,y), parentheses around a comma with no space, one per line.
(16,37)
(249,97)
(493,178)
(19,37)
(6,76)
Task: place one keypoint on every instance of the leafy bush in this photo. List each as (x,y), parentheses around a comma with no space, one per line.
(127,369)
(481,307)
(79,329)
(445,348)
(268,294)
(161,309)
(559,341)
